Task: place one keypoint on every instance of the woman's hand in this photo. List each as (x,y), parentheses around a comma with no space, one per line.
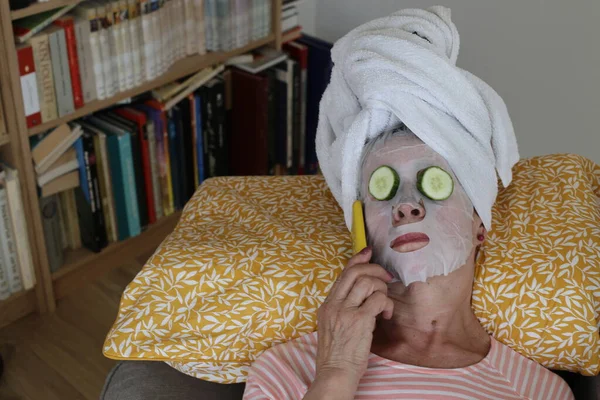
(346,322)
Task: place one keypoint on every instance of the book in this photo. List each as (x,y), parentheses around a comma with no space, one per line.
(8,245)
(45,79)
(60,70)
(264,58)
(29,89)
(174,157)
(299,53)
(155,18)
(150,55)
(118,142)
(107,51)
(186,149)
(319,73)
(153,110)
(104,181)
(136,36)
(66,163)
(52,146)
(68,24)
(199,140)
(87,12)
(138,166)
(117,43)
(140,120)
(200,26)
(249,141)
(86,60)
(205,76)
(51,226)
(122,16)
(60,184)
(68,207)
(285,75)
(25,28)
(19,226)
(89,210)
(154,168)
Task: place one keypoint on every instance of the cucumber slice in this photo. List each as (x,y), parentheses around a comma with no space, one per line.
(383,183)
(435,183)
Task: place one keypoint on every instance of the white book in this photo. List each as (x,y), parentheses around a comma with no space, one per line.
(127,46)
(267,15)
(88,13)
(118,45)
(19,227)
(134,39)
(61,170)
(111,83)
(208,35)
(200,27)
(191,46)
(181,25)
(157,36)
(8,247)
(167,53)
(290,23)
(147,30)
(84,56)
(4,288)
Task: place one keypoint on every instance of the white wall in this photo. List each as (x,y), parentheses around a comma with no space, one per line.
(541,56)
(307,11)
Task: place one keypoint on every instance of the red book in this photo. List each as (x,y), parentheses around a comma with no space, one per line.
(140,119)
(299,53)
(67,23)
(29,89)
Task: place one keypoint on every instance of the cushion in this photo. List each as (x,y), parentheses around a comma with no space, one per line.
(252,258)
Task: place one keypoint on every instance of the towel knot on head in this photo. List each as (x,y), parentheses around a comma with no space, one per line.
(402,69)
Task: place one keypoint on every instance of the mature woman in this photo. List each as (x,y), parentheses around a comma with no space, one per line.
(421,142)
(379,338)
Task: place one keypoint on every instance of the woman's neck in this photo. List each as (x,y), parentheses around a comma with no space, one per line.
(433,325)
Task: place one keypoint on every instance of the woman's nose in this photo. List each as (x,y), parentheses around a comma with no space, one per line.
(408,213)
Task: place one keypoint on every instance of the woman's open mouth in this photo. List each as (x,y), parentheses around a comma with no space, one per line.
(410,242)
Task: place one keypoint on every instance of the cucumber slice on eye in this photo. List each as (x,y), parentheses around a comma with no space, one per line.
(435,183)
(383,183)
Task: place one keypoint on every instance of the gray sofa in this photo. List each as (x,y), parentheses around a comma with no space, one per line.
(153,380)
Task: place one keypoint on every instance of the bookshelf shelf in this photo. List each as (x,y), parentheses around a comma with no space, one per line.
(17,306)
(184,67)
(78,270)
(37,8)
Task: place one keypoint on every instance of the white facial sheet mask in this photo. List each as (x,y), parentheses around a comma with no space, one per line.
(448,223)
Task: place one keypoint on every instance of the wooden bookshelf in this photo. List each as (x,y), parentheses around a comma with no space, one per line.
(82,266)
(17,306)
(184,67)
(37,8)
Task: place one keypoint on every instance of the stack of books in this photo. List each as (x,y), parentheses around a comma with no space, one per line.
(16,265)
(71,56)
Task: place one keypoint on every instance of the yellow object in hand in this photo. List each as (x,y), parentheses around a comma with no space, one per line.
(359,236)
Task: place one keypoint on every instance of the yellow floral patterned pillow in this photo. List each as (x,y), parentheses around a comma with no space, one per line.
(252,258)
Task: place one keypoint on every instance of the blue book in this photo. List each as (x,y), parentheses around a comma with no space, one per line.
(118,142)
(199,139)
(83,179)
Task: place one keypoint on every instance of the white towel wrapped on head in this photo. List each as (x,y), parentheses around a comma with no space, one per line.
(402,69)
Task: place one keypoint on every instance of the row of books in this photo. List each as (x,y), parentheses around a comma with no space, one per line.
(76,54)
(16,264)
(140,162)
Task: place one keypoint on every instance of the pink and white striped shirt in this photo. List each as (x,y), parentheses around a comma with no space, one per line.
(287,370)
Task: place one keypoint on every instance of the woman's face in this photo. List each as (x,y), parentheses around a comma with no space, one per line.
(414,237)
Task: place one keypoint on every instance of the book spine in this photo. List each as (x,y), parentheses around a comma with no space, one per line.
(108,186)
(4,268)
(221,129)
(147,29)
(157,36)
(163,21)
(131,197)
(182,154)
(208,35)
(120,190)
(8,246)
(168,37)
(167,182)
(111,82)
(134,35)
(200,27)
(118,44)
(29,90)
(86,68)
(96,55)
(101,171)
(297,115)
(173,158)
(83,177)
(97,232)
(66,219)
(199,139)
(60,69)
(45,79)
(156,190)
(73,61)
(123,16)
(194,136)
(19,226)
(190,28)
(208,132)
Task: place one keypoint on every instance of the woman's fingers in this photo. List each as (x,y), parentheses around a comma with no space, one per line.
(351,275)
(364,287)
(376,304)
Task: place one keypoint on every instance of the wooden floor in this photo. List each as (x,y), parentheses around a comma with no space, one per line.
(59,356)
